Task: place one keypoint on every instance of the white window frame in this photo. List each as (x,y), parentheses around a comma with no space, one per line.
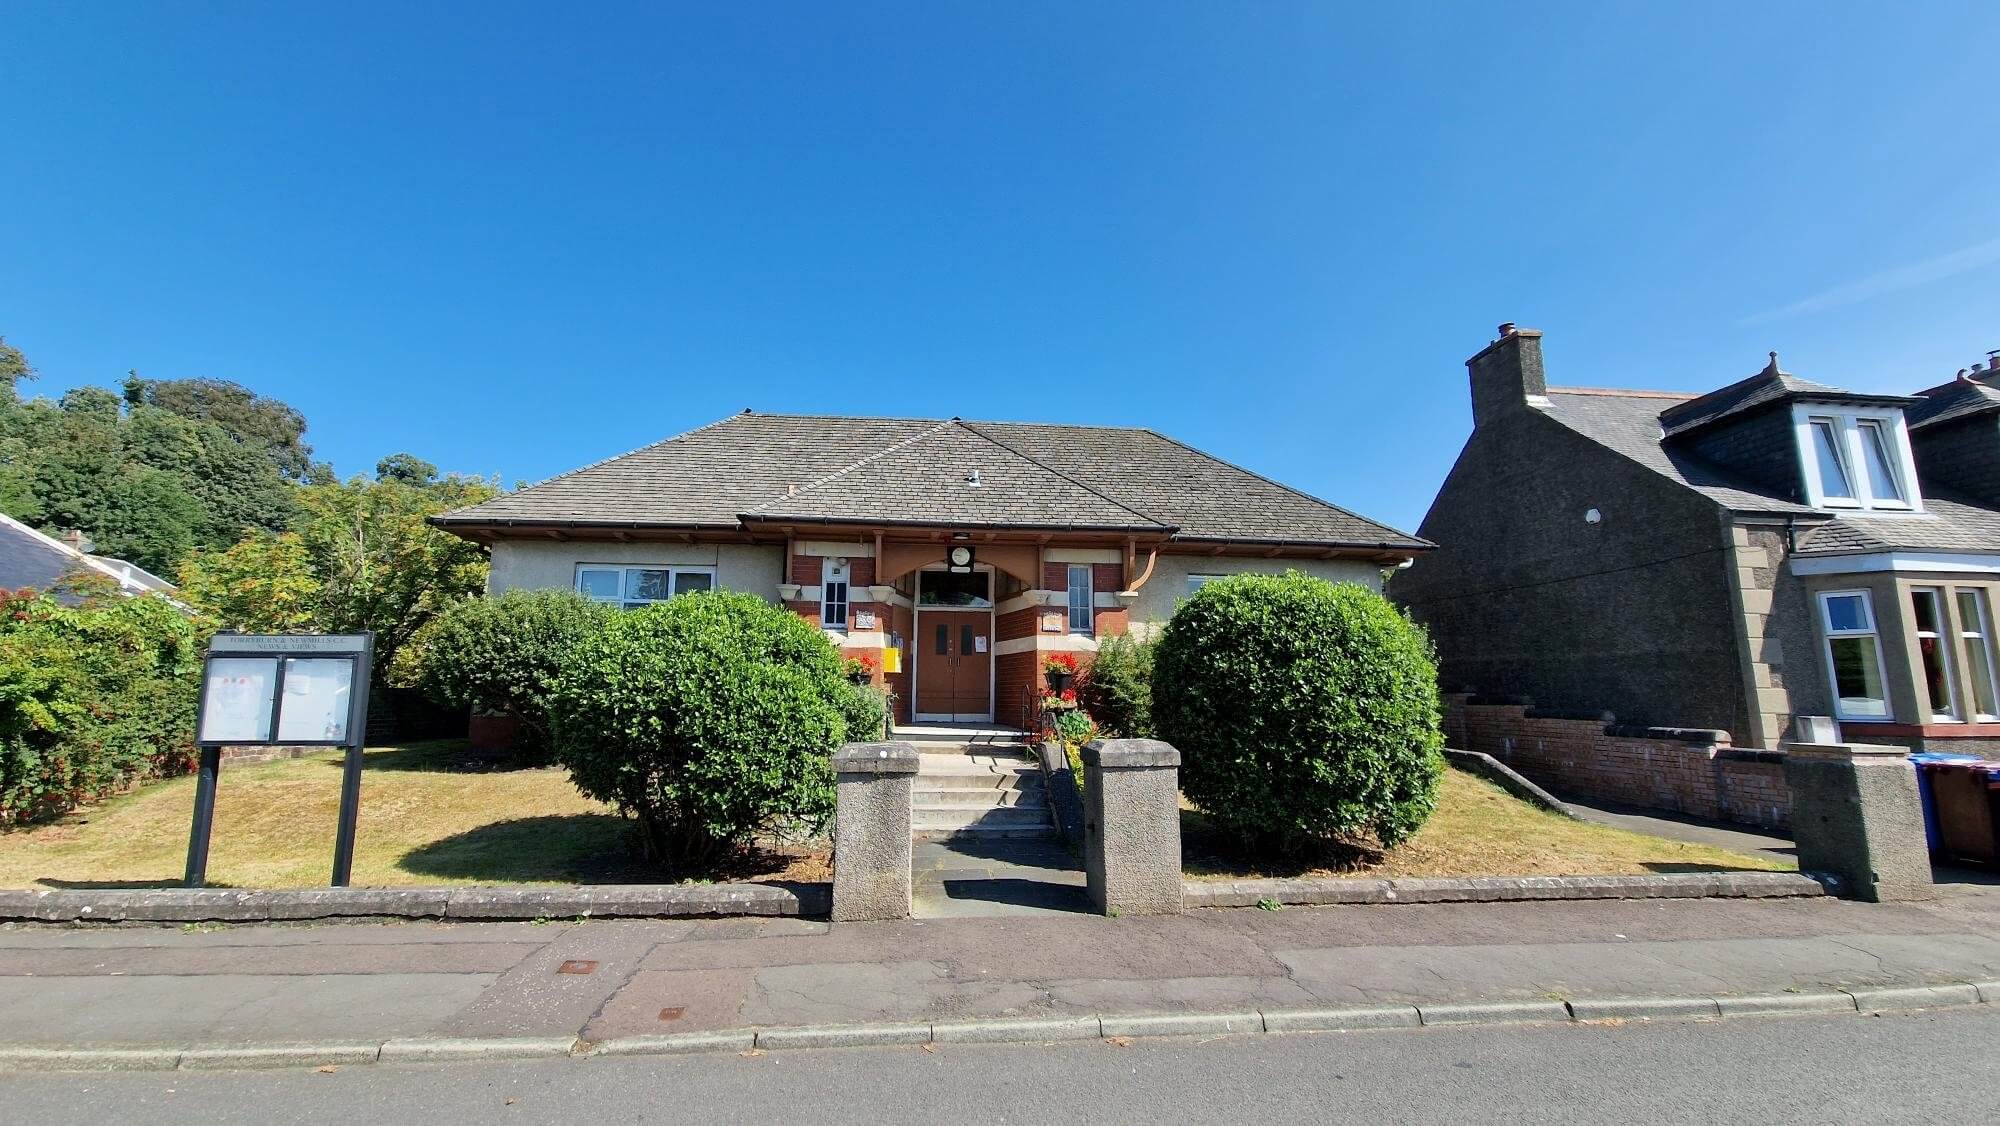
(626,600)
(1850,447)
(1978,633)
(833,573)
(1196,582)
(1827,636)
(1089,606)
(1941,613)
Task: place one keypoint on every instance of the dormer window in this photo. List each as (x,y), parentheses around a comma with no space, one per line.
(1856,459)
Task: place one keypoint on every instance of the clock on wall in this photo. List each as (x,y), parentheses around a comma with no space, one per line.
(960,558)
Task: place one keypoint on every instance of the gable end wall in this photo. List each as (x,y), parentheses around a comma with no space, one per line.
(1633,615)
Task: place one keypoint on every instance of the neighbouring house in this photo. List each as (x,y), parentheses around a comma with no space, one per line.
(1701,568)
(965,553)
(34,561)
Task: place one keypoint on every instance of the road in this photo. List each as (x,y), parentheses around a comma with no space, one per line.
(1934,1067)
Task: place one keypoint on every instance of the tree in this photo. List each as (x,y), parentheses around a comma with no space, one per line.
(361,557)
(406,469)
(263,584)
(269,426)
(14,368)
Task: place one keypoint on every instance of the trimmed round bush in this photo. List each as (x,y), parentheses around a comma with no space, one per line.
(1305,711)
(501,654)
(707,718)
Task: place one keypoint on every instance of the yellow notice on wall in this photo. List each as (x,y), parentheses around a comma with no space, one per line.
(892,660)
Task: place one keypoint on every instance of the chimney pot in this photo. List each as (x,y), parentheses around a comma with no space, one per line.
(1507,329)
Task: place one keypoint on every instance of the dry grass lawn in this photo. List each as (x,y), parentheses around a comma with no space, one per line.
(1480,830)
(428,816)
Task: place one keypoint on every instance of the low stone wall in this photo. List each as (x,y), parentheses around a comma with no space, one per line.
(236,756)
(1681,770)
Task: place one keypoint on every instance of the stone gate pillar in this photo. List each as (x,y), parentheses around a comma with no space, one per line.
(1132,826)
(1856,817)
(871,830)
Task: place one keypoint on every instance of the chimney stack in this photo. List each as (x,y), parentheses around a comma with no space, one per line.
(1507,374)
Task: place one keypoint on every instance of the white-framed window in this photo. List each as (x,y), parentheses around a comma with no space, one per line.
(1853,655)
(1082,599)
(1196,582)
(1934,652)
(1856,459)
(633,587)
(1975,631)
(833,593)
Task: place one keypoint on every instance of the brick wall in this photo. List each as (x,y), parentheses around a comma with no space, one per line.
(1698,773)
(1016,676)
(806,569)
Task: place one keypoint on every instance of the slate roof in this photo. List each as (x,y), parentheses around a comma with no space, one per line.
(1946,524)
(1628,423)
(750,468)
(1768,386)
(31,559)
(1957,399)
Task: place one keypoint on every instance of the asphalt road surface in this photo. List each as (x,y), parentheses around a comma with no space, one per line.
(1935,1067)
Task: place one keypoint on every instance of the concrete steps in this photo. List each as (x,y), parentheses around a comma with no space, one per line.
(978,790)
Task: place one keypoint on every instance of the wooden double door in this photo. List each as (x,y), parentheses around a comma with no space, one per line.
(954,654)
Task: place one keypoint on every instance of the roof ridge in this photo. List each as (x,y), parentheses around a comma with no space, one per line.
(600,461)
(1032,460)
(885,451)
(1623,393)
(1301,494)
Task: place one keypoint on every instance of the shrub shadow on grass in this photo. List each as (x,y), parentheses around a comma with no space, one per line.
(439,756)
(1209,851)
(582,848)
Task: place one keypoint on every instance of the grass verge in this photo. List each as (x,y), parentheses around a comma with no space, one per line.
(1478,830)
(430,815)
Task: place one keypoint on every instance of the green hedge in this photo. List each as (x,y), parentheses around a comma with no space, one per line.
(501,654)
(92,699)
(1304,711)
(1117,689)
(707,717)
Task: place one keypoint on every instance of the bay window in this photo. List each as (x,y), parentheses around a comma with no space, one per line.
(1853,655)
(1975,632)
(1934,653)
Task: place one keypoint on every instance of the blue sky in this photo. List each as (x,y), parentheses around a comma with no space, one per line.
(514,239)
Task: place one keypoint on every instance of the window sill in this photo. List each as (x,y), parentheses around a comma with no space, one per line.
(1924,730)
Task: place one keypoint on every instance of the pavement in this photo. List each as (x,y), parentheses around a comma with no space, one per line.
(1937,1068)
(975,877)
(614,979)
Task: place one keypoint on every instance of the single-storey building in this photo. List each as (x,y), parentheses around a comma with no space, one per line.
(972,549)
